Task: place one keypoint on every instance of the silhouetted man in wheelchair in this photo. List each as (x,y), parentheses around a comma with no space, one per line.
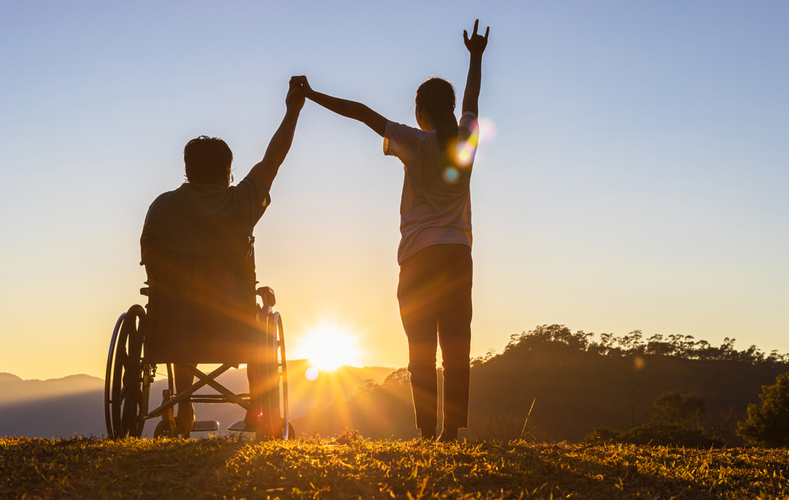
(197,248)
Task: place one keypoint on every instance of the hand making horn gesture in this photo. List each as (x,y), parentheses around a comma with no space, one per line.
(476,44)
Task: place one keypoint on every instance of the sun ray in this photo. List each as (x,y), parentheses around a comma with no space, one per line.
(328,347)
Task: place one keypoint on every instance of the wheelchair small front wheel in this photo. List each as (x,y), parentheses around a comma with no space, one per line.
(164,430)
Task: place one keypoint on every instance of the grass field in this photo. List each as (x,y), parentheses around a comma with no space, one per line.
(349,467)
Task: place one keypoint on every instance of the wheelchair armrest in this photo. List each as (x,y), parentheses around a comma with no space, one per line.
(147,290)
(267,294)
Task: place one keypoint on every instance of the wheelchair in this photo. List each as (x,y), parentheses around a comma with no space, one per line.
(200,309)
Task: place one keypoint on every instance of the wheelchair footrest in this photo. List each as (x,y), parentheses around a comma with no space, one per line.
(240,426)
(205,426)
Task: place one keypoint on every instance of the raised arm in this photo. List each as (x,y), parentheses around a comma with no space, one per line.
(349,109)
(281,141)
(476,45)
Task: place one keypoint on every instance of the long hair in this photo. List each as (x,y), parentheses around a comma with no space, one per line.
(207,160)
(436,97)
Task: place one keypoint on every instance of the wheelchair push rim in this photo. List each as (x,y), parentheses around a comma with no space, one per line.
(126,379)
(108,375)
(279,349)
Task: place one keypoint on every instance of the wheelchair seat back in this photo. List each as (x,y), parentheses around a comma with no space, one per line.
(201,308)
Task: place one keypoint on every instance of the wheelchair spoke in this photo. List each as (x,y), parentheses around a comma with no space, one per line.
(124,386)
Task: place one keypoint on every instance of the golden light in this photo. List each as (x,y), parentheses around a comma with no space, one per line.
(464,153)
(328,347)
(465,150)
(311,373)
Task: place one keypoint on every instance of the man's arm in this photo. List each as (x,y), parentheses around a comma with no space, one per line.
(349,109)
(476,45)
(281,141)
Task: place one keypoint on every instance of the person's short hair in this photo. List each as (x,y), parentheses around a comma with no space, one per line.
(207,161)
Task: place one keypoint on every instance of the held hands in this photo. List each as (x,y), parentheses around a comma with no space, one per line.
(477,44)
(295,98)
(302,82)
(349,109)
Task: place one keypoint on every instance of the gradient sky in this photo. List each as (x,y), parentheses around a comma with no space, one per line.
(638,180)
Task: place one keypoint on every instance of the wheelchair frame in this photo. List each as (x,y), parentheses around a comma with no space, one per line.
(129,377)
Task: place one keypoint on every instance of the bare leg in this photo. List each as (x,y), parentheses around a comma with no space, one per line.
(186,410)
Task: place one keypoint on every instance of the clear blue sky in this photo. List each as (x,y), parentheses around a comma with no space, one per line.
(638,180)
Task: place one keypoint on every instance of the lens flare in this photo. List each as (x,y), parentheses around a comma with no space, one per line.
(465,150)
(450,175)
(465,153)
(487,129)
(311,373)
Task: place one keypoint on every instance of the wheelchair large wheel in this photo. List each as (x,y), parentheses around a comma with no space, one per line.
(126,381)
(271,400)
(279,350)
(278,370)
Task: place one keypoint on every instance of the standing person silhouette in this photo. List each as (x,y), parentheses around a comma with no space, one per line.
(435,283)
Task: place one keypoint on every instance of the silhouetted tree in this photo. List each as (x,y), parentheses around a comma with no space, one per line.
(675,421)
(634,400)
(767,423)
(656,345)
(675,408)
(681,346)
(484,359)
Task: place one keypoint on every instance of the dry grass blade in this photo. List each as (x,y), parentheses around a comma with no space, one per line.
(524,430)
(359,468)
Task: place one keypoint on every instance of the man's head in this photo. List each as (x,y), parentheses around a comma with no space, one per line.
(208,161)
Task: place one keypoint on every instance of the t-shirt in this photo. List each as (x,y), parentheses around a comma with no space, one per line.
(435,204)
(205,219)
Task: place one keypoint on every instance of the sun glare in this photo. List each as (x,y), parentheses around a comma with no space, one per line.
(488,130)
(328,348)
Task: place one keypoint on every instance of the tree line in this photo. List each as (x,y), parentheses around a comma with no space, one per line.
(679,346)
(551,384)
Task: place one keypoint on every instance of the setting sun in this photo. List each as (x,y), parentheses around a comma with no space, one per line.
(328,347)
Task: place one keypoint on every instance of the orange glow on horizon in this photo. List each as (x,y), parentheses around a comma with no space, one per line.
(327,348)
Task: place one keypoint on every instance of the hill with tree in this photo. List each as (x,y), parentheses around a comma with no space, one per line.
(552,384)
(767,422)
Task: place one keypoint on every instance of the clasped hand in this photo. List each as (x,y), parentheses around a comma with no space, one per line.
(302,82)
(295,98)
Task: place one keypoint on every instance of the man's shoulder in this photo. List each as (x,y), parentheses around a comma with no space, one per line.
(187,192)
(161,200)
(169,194)
(245,202)
(252,193)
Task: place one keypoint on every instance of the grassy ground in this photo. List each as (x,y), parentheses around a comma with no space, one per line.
(348,467)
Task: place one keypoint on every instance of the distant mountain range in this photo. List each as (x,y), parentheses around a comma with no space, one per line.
(15,390)
(74,405)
